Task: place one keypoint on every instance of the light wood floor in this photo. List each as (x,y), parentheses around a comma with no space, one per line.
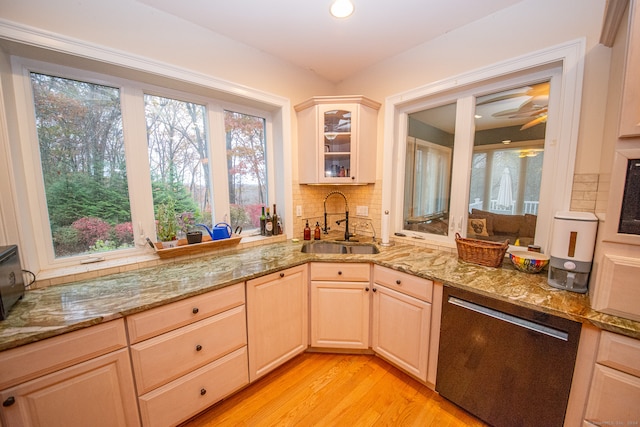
(316,389)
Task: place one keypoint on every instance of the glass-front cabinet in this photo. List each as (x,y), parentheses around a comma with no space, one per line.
(337,140)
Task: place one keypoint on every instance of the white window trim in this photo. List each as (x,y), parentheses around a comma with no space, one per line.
(561,144)
(25,235)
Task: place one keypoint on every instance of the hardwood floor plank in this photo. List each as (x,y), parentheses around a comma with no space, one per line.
(318,389)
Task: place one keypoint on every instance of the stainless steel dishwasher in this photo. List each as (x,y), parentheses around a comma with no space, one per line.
(505,364)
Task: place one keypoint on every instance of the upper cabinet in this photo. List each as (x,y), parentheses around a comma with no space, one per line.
(630,108)
(337,140)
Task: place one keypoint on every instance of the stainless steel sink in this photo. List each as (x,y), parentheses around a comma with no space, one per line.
(339,248)
(365,248)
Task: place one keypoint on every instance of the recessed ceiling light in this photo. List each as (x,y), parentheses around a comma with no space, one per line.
(506,141)
(478,116)
(342,8)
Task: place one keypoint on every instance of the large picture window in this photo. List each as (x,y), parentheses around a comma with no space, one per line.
(107,152)
(82,157)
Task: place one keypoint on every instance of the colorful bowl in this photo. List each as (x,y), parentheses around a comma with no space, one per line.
(529,262)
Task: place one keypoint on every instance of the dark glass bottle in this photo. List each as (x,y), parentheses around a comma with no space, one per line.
(263,220)
(268,225)
(274,220)
(316,232)
(307,231)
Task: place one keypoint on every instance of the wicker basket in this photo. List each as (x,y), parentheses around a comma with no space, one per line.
(490,254)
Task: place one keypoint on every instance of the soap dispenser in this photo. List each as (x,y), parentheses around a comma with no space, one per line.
(316,232)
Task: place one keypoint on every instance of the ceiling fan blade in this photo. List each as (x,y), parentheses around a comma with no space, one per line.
(534,122)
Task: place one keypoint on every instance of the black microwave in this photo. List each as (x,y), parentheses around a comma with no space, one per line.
(630,211)
(11,279)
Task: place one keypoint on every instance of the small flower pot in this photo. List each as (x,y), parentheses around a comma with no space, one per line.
(194,237)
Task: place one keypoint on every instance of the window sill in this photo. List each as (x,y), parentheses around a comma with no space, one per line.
(63,275)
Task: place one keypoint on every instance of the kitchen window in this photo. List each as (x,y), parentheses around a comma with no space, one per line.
(502,182)
(108,150)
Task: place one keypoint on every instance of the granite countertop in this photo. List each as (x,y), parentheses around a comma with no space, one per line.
(54,310)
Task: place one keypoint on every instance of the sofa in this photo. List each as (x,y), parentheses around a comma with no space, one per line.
(519,229)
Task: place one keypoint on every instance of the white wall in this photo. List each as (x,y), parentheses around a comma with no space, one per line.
(525,27)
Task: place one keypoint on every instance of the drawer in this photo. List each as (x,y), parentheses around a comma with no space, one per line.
(24,363)
(189,395)
(301,269)
(339,271)
(619,352)
(166,357)
(153,322)
(403,282)
(613,398)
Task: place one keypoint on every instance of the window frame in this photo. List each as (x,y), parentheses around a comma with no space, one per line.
(562,64)
(39,242)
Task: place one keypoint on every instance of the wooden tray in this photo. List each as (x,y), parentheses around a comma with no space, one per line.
(207,244)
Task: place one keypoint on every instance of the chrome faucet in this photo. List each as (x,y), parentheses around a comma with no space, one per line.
(346,214)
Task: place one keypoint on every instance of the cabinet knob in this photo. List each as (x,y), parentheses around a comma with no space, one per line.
(339,273)
(195,310)
(9,401)
(353,177)
(398,282)
(281,274)
(198,347)
(366,289)
(375,290)
(203,391)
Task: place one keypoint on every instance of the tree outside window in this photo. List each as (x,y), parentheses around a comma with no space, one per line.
(246,166)
(81,144)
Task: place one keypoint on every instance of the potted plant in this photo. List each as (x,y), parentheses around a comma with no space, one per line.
(167,224)
(187,222)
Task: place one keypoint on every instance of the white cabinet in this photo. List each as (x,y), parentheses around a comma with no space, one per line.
(78,379)
(630,112)
(188,355)
(615,387)
(340,305)
(277,321)
(402,320)
(337,140)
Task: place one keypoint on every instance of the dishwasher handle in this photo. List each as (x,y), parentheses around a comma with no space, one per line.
(505,317)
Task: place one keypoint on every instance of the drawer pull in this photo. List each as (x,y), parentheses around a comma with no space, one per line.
(195,310)
(398,282)
(203,391)
(281,274)
(339,273)
(375,290)
(10,401)
(198,347)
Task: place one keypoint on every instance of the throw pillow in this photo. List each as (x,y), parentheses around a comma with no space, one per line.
(477,227)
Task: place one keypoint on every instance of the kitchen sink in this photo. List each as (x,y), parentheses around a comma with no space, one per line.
(339,248)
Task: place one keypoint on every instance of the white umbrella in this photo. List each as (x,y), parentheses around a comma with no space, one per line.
(505,192)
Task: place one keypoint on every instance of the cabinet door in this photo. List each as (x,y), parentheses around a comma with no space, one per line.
(277,319)
(338,133)
(401,327)
(340,314)
(614,397)
(98,392)
(630,114)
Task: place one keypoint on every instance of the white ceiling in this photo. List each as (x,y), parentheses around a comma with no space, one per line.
(303,32)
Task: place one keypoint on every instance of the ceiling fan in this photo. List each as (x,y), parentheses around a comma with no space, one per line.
(534,104)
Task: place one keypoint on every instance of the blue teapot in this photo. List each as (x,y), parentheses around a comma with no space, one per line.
(220,231)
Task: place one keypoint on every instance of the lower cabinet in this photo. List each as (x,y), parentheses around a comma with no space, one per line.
(69,382)
(192,361)
(614,397)
(340,304)
(401,326)
(277,319)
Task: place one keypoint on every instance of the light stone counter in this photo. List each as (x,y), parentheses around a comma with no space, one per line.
(44,313)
